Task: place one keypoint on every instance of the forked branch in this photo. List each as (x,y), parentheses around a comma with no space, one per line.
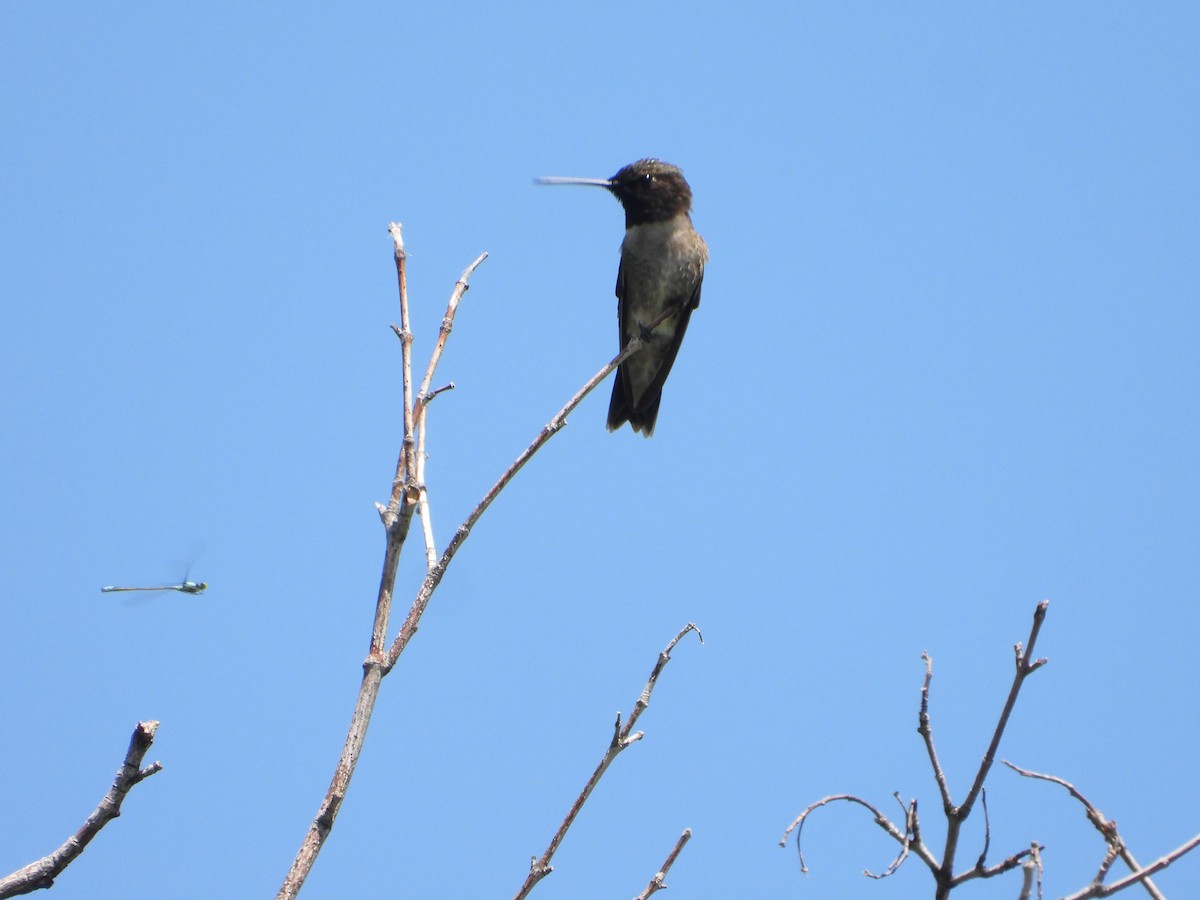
(41,874)
(623,736)
(1029,860)
(904,836)
(434,576)
(1114,842)
(909,837)
(1107,890)
(408,495)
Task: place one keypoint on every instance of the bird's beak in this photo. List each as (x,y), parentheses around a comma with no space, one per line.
(554,179)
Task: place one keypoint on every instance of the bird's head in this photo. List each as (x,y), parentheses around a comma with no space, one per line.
(650,190)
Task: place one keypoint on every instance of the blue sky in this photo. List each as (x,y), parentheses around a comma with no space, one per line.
(945,367)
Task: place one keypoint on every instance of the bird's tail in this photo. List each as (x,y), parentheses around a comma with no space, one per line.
(620,410)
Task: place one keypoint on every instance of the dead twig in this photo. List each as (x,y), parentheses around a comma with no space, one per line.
(1107,890)
(408,493)
(1106,827)
(909,837)
(421,405)
(623,736)
(957,815)
(434,576)
(407,496)
(925,730)
(901,836)
(658,882)
(41,874)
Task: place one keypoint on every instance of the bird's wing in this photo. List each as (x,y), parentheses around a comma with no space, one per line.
(650,392)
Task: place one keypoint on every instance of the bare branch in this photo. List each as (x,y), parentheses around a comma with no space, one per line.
(910,816)
(423,401)
(956,816)
(1107,829)
(408,490)
(397,516)
(422,405)
(982,871)
(901,837)
(663,658)
(407,493)
(405,466)
(1029,869)
(658,882)
(434,577)
(910,838)
(1029,860)
(987,832)
(460,287)
(622,737)
(1024,668)
(1107,890)
(426,399)
(41,874)
(423,501)
(925,729)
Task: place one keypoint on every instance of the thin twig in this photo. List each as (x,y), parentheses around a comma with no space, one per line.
(910,816)
(918,841)
(434,576)
(406,470)
(460,287)
(1107,890)
(925,729)
(658,882)
(910,838)
(982,871)
(623,736)
(40,875)
(421,406)
(423,502)
(1024,668)
(987,831)
(1106,827)
(901,837)
(423,400)
(956,816)
(396,517)
(428,398)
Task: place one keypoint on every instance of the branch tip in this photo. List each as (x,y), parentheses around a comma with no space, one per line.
(397,239)
(41,873)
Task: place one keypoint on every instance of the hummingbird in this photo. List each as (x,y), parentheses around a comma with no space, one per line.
(662,267)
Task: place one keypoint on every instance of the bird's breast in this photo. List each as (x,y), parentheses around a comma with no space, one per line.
(661,262)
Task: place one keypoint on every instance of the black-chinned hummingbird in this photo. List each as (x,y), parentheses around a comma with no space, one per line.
(662,267)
